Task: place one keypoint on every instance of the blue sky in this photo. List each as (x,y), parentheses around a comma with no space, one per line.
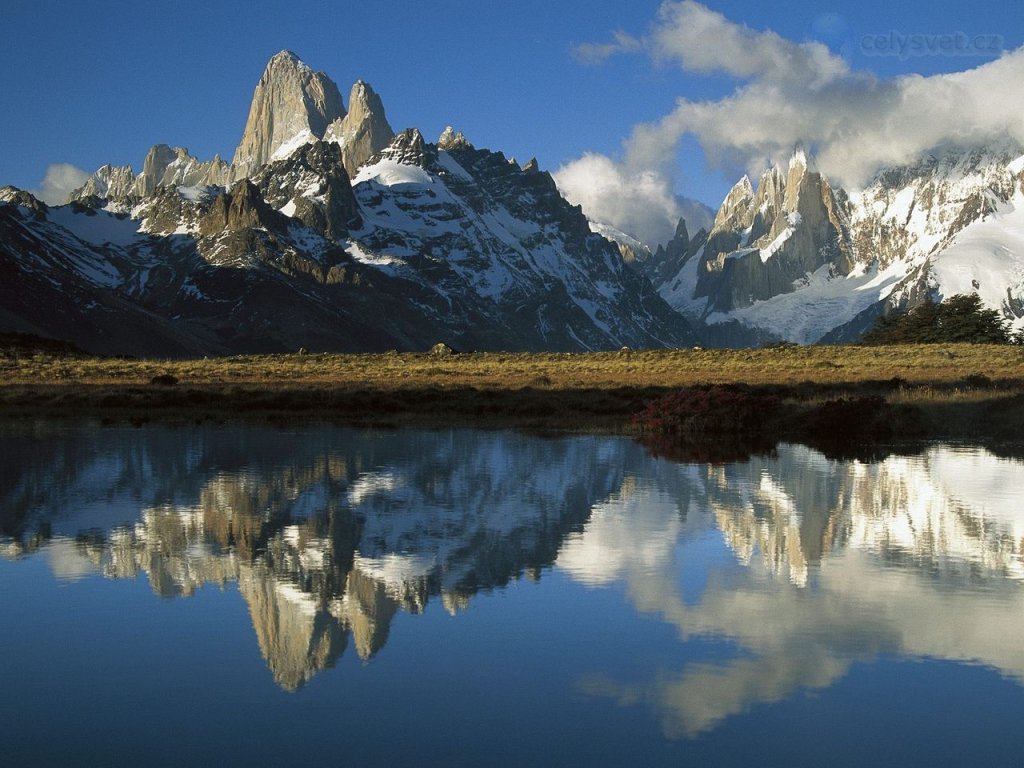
(97,82)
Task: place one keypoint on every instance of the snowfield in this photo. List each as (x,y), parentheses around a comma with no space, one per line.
(987,258)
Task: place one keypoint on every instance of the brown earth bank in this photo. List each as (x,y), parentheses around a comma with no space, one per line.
(683,403)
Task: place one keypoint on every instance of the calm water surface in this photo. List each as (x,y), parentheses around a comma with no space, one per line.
(259,596)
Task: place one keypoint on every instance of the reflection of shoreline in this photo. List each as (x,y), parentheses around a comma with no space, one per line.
(326,545)
(841,562)
(330,534)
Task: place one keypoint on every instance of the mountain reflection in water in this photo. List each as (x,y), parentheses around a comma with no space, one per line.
(330,533)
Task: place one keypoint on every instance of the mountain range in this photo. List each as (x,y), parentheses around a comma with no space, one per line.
(330,231)
(797,259)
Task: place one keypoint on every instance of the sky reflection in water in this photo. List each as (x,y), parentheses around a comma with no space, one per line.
(463,596)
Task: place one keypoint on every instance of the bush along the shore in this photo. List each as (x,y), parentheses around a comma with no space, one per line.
(715,410)
(847,426)
(721,423)
(716,424)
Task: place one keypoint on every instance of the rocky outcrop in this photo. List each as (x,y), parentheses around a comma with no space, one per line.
(174,166)
(409,148)
(164,166)
(669,259)
(109,181)
(292,104)
(15,196)
(450,139)
(364,131)
(165,211)
(762,245)
(241,208)
(312,186)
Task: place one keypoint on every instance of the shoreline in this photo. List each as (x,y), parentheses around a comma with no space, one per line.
(928,392)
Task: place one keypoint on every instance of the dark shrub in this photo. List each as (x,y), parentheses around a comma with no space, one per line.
(961,318)
(707,411)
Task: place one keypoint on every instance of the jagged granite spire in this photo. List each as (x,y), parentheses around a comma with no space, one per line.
(736,210)
(364,131)
(109,181)
(174,166)
(451,139)
(761,246)
(292,104)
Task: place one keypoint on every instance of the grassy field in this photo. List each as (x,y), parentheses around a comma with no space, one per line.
(827,365)
(959,390)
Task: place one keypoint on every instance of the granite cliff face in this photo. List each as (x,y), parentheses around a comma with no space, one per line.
(292,105)
(364,131)
(166,166)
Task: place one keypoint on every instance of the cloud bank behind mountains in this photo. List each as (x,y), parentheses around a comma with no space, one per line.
(790,93)
(59,181)
(640,203)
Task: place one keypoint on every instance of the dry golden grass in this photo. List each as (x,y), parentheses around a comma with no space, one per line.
(828,365)
(956,390)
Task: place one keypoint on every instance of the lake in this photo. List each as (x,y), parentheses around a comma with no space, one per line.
(254,595)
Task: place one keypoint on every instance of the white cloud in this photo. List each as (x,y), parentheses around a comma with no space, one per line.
(856,125)
(595,53)
(704,41)
(640,203)
(61,180)
(790,93)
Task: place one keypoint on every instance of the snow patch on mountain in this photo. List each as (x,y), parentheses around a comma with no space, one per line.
(391,173)
(821,303)
(608,232)
(987,258)
(773,247)
(374,260)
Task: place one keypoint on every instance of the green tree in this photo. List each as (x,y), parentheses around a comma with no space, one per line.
(961,318)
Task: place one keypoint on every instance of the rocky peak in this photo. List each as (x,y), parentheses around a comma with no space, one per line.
(761,247)
(312,184)
(737,208)
(670,258)
(682,235)
(292,104)
(364,131)
(802,176)
(109,181)
(771,191)
(157,159)
(769,205)
(451,139)
(241,208)
(409,148)
(532,166)
(15,196)
(174,166)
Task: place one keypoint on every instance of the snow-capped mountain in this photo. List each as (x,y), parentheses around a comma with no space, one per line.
(797,259)
(327,231)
